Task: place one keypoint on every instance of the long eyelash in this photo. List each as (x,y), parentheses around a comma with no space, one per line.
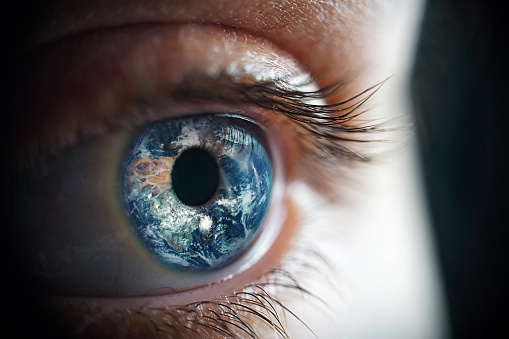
(331,135)
(331,122)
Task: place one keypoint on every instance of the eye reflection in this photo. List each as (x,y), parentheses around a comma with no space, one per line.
(197,189)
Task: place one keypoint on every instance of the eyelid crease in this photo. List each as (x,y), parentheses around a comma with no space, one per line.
(324,128)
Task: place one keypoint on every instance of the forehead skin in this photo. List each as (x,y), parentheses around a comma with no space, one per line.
(330,38)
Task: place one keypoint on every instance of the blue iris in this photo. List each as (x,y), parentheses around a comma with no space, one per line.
(197,189)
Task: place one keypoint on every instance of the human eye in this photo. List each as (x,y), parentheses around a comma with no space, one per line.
(91,101)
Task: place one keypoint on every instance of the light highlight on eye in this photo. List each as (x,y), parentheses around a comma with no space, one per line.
(196,190)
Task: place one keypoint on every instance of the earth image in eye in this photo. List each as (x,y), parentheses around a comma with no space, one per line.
(183,227)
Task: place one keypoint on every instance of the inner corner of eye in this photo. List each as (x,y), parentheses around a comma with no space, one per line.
(196,190)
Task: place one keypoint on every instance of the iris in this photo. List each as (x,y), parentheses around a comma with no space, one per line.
(197,189)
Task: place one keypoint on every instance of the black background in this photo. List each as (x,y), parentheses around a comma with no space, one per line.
(460,86)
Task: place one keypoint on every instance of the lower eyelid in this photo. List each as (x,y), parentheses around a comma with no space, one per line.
(291,293)
(76,310)
(93,317)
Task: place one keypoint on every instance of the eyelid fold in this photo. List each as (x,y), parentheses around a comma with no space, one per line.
(97,81)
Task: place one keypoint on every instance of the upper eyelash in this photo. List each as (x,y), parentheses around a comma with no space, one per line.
(328,121)
(327,127)
(330,134)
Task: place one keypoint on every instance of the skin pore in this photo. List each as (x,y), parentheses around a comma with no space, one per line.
(103,68)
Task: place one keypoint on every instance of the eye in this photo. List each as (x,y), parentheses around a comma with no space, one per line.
(109,136)
(120,215)
(117,211)
(197,189)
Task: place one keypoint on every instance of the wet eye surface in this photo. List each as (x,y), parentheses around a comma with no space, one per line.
(196,190)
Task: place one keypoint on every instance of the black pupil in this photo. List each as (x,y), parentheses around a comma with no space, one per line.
(195,177)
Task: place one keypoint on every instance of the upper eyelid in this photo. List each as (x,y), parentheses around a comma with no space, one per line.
(65,88)
(280,95)
(324,127)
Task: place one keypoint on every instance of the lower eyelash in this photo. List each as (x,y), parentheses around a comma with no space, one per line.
(251,312)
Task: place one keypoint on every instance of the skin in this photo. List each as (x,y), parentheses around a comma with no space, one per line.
(375,235)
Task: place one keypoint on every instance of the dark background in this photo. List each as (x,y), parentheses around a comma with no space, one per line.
(460,86)
(459,89)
